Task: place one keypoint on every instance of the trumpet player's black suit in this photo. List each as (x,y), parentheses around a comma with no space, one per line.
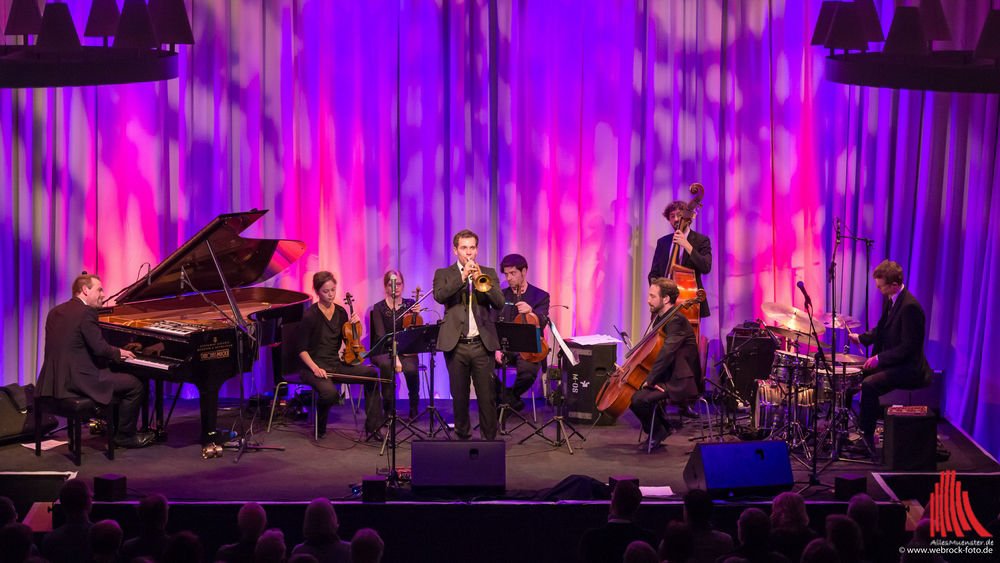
(468,349)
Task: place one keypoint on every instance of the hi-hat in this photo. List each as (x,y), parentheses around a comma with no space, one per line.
(843,321)
(850,359)
(790,317)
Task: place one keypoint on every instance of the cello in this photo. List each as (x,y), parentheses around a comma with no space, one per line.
(354,350)
(687,283)
(532,319)
(616,393)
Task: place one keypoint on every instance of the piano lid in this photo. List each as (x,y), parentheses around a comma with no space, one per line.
(244,261)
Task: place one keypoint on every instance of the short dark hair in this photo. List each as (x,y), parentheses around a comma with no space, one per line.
(673,206)
(105,537)
(845,535)
(678,542)
(863,510)
(625,499)
(182,547)
(513,261)
(152,512)
(889,272)
(366,546)
(84,280)
(75,496)
(464,233)
(15,542)
(8,513)
(668,288)
(698,507)
(388,275)
(753,527)
(320,278)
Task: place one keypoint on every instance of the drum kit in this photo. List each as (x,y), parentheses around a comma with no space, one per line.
(789,400)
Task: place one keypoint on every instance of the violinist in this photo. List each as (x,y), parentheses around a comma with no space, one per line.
(526,298)
(381,322)
(694,252)
(320,338)
(675,372)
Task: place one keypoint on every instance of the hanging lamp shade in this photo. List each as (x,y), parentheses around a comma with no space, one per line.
(58,34)
(869,21)
(823,21)
(988,46)
(24,18)
(933,21)
(170,21)
(846,31)
(906,34)
(135,28)
(103,19)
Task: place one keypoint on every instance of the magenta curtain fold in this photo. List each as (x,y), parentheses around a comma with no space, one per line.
(559,130)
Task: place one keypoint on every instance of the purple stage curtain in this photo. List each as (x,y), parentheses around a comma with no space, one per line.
(559,130)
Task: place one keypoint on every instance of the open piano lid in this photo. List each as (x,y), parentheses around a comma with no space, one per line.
(244,261)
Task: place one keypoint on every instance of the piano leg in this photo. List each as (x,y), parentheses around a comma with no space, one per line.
(208,399)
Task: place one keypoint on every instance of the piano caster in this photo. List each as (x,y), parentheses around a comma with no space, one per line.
(211,450)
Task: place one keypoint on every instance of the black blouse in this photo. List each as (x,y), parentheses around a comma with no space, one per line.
(320,337)
(381,319)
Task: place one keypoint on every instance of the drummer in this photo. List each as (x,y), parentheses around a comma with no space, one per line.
(675,371)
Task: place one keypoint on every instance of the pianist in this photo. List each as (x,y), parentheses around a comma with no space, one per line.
(320,337)
(77,356)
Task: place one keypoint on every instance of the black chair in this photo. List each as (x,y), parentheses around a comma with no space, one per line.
(76,411)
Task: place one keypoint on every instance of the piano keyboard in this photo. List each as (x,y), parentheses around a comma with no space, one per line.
(175,328)
(151,362)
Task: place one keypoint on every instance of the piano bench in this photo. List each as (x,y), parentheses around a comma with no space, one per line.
(76,410)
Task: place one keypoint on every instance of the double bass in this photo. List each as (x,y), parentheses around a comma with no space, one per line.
(687,283)
(616,394)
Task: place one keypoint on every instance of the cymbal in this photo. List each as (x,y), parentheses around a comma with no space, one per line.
(796,337)
(850,359)
(790,317)
(843,321)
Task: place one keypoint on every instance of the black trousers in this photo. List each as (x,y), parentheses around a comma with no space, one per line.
(877,384)
(131,391)
(527,373)
(644,407)
(410,372)
(327,394)
(472,362)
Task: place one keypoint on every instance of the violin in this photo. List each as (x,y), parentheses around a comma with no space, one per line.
(352,337)
(413,318)
(532,319)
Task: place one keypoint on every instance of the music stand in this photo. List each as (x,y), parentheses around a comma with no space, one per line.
(562,436)
(515,338)
(405,341)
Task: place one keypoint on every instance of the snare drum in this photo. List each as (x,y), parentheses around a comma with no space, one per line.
(771,408)
(789,367)
(852,376)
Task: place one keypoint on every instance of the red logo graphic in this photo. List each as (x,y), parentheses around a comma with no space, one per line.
(950,510)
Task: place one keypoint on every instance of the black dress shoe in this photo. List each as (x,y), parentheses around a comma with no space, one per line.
(376,435)
(517,404)
(140,440)
(686,412)
(652,446)
(413,411)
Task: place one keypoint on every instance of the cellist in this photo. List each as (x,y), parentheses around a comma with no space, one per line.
(526,298)
(674,375)
(695,250)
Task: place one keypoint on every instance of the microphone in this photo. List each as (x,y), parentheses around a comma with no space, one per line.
(392,281)
(766,329)
(838,228)
(805,293)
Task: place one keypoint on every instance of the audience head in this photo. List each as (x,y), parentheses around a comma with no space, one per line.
(366,546)
(789,511)
(320,523)
(182,547)
(753,527)
(698,507)
(105,539)
(863,510)
(640,552)
(819,551)
(302,558)
(74,496)
(270,547)
(8,514)
(922,533)
(15,542)
(625,500)
(152,512)
(845,535)
(678,542)
(251,520)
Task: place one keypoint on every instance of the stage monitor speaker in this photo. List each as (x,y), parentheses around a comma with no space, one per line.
(739,468)
(462,465)
(752,353)
(583,381)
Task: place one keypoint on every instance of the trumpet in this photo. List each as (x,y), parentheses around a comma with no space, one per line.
(479,281)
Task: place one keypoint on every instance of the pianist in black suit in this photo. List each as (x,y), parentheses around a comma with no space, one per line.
(320,339)
(695,250)
(526,298)
(381,322)
(77,356)
(468,336)
(898,360)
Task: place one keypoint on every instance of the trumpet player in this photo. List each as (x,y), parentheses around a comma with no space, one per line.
(468,337)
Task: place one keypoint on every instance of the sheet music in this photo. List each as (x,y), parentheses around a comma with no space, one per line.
(591,339)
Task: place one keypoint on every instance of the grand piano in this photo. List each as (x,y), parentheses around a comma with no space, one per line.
(194,317)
